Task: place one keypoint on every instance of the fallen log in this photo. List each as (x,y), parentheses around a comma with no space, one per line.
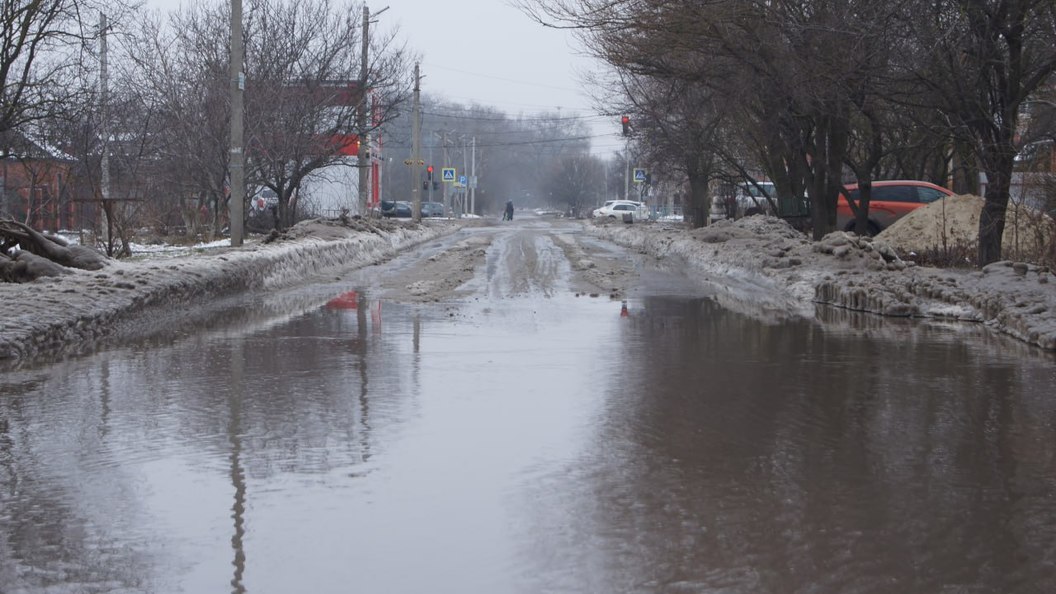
(26,267)
(51,247)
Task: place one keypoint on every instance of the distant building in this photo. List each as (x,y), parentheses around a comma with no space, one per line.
(34,184)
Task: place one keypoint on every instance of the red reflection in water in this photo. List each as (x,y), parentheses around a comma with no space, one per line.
(349,300)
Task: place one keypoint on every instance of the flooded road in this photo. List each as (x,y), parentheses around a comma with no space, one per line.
(423,426)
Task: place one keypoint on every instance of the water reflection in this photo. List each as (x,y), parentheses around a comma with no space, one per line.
(792,458)
(656,445)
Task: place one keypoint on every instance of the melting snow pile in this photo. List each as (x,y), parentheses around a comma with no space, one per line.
(763,264)
(56,315)
(954,221)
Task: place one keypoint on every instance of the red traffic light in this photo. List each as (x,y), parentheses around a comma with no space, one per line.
(429,169)
(626,122)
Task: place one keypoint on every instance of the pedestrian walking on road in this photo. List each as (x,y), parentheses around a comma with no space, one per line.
(508,215)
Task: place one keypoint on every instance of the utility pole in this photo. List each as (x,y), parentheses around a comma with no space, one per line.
(104,129)
(447,194)
(104,101)
(473,179)
(416,148)
(434,174)
(361,114)
(235,166)
(627,170)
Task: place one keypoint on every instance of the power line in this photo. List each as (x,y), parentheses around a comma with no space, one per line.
(510,80)
(525,142)
(515,119)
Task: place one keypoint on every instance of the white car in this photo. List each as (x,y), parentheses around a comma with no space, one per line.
(615,209)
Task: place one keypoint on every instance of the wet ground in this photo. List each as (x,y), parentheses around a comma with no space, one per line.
(521,409)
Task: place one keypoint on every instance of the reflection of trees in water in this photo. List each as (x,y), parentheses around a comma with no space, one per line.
(781,457)
(298,397)
(46,538)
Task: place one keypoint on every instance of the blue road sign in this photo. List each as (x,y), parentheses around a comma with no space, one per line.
(639,176)
(461,180)
(447,174)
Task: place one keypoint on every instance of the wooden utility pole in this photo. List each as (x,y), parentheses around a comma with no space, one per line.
(416,148)
(236,162)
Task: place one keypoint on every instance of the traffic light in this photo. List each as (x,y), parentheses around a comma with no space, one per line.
(429,173)
(626,122)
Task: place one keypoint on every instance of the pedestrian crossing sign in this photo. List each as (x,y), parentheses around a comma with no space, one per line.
(639,176)
(447,174)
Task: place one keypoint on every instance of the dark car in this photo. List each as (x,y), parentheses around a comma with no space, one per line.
(396,208)
(432,209)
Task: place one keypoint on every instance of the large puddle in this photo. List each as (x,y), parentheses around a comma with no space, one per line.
(533,444)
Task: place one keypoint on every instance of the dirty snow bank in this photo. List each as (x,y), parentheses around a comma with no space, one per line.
(57,315)
(766,266)
(954,221)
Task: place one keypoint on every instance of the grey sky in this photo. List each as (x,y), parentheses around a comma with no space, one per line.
(488,52)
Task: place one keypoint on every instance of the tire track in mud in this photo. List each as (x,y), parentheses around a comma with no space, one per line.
(527,260)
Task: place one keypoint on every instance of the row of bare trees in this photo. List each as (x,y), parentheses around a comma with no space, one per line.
(815,93)
(162,118)
(539,160)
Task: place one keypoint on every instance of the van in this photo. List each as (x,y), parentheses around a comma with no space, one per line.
(743,200)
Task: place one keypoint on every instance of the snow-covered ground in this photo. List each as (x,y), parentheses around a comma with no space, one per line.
(763,266)
(61,314)
(767,268)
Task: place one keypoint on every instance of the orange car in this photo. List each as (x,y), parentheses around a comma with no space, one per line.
(890,201)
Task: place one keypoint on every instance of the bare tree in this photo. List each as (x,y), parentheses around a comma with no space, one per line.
(182,66)
(575,182)
(302,68)
(978,62)
(41,60)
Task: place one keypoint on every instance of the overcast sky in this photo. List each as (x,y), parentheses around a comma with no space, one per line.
(488,52)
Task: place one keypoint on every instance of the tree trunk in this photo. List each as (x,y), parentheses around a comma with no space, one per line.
(992,217)
(699,199)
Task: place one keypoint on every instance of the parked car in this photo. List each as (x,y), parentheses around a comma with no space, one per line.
(615,209)
(432,209)
(396,208)
(890,200)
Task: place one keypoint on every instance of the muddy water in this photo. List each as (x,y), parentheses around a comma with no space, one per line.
(525,440)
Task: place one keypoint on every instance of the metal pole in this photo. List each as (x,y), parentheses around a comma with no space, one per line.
(416,149)
(435,173)
(361,114)
(104,100)
(104,131)
(235,165)
(447,195)
(627,170)
(473,179)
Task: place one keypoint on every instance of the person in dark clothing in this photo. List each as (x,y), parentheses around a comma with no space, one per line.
(508,215)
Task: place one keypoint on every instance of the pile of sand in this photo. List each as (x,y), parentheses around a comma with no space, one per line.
(1027,232)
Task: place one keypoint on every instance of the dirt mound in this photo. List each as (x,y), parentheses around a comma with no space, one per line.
(954,221)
